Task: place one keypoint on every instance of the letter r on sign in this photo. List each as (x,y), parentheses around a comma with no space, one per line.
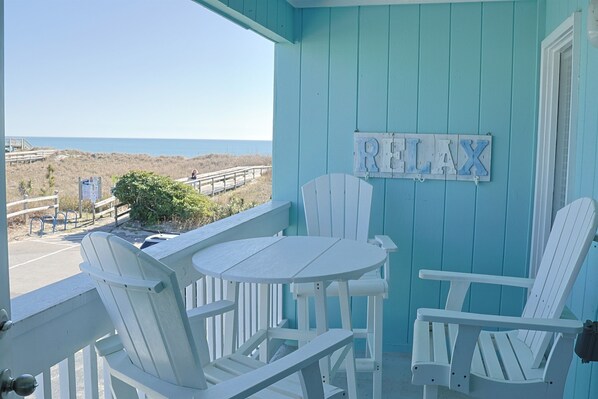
(368,149)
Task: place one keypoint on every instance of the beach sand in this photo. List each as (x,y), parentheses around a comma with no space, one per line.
(69,165)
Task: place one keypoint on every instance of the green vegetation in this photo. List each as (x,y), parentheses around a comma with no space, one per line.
(233,206)
(156,199)
(25,187)
(51,180)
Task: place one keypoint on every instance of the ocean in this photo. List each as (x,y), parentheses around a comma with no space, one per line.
(184,147)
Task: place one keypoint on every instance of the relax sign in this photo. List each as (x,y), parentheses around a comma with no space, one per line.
(423,156)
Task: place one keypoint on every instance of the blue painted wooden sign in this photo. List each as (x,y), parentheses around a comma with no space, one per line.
(423,156)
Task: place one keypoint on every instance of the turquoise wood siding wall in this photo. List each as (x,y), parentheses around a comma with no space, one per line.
(583,378)
(462,68)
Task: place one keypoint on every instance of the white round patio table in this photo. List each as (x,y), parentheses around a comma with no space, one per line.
(296,259)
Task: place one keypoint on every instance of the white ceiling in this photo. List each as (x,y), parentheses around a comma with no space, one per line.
(348,3)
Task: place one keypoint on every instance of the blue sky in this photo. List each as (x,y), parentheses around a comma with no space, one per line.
(134,68)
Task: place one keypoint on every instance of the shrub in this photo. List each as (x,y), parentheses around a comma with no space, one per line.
(232,207)
(156,199)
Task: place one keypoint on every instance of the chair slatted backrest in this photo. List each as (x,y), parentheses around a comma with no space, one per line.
(337,205)
(143,300)
(570,238)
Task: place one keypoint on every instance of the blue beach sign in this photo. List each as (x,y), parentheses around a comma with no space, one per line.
(423,156)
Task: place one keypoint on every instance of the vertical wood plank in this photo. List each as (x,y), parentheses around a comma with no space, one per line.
(236,5)
(249,8)
(285,141)
(352,208)
(272,13)
(495,117)
(261,12)
(342,112)
(463,118)
(372,103)
(432,118)
(400,193)
(90,371)
(68,387)
(364,201)
(314,99)
(286,16)
(337,204)
(310,202)
(372,99)
(44,390)
(323,205)
(520,173)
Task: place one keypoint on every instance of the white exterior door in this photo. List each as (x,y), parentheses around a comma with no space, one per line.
(555,155)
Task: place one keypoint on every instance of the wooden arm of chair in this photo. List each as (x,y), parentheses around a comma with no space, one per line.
(563,326)
(469,326)
(387,244)
(304,360)
(197,321)
(476,278)
(211,309)
(460,283)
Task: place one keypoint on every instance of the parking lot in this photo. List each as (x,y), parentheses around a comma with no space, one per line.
(37,261)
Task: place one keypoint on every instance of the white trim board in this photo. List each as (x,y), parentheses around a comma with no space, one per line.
(567,34)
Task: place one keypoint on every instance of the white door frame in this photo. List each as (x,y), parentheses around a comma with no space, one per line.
(567,34)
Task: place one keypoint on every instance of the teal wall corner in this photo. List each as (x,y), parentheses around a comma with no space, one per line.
(469,68)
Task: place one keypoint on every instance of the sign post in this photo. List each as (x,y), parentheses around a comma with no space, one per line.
(89,189)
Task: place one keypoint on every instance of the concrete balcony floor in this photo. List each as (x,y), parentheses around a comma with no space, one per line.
(396,381)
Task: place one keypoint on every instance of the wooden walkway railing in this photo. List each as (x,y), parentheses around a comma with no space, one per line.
(223,180)
(17,144)
(27,156)
(27,210)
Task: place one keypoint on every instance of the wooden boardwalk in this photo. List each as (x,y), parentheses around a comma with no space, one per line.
(27,156)
(213,183)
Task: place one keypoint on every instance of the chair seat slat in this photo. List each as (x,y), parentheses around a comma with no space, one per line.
(489,356)
(225,369)
(477,364)
(525,357)
(439,338)
(508,357)
(421,346)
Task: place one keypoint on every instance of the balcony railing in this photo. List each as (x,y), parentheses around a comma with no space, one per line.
(56,327)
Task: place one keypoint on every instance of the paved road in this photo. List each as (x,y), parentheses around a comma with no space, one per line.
(38,261)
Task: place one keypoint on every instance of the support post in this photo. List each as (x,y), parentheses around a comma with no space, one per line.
(56,204)
(80,200)
(25,206)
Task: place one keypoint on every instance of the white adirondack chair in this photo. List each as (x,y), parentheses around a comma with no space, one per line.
(161,349)
(338,205)
(531,361)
